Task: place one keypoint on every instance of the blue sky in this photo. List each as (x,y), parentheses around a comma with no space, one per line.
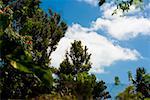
(118,44)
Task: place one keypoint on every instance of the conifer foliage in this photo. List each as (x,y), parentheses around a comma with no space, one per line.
(26,35)
(139,88)
(74,77)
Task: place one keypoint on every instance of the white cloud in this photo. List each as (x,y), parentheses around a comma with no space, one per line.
(120,26)
(123,28)
(91,2)
(104,53)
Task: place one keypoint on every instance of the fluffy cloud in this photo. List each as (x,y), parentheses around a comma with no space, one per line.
(91,2)
(123,28)
(120,26)
(104,53)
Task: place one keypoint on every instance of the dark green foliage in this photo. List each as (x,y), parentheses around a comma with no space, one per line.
(74,77)
(80,58)
(73,72)
(26,35)
(18,84)
(140,86)
(142,82)
(77,60)
(47,32)
(84,85)
(130,75)
(117,81)
(4,21)
(100,92)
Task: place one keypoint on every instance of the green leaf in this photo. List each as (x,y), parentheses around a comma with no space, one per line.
(19,66)
(4,21)
(26,65)
(45,75)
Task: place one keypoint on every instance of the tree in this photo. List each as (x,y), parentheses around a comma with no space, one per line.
(74,77)
(100,92)
(117,81)
(139,88)
(78,60)
(142,82)
(26,35)
(74,68)
(130,76)
(129,94)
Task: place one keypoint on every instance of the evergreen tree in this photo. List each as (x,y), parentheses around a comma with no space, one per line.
(78,59)
(139,88)
(27,34)
(74,77)
(74,69)
(117,81)
(129,94)
(99,92)
(142,82)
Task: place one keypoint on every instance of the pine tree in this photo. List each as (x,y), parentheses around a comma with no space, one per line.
(78,59)
(117,81)
(129,94)
(26,35)
(139,87)
(142,82)
(100,92)
(74,77)
(74,69)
